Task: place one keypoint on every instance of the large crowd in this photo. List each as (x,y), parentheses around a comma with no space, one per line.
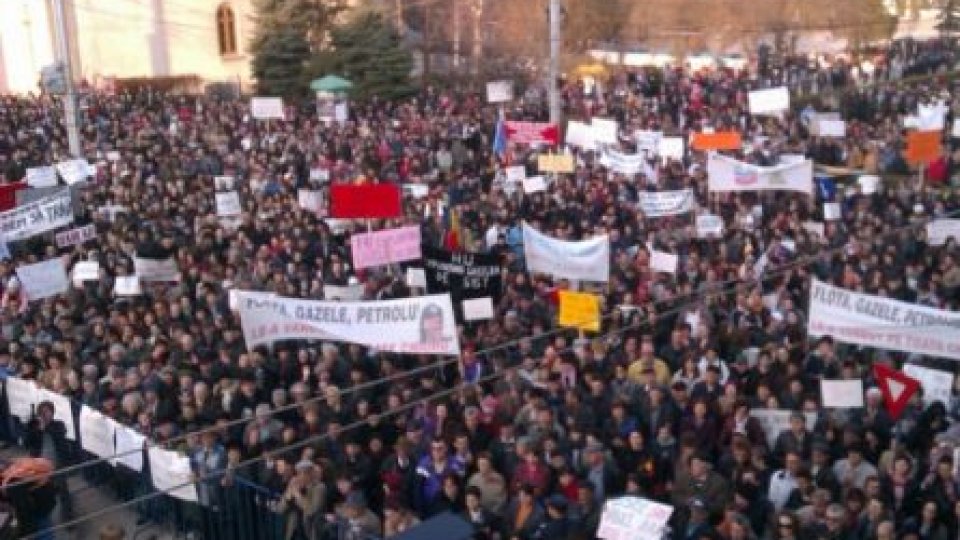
(544,424)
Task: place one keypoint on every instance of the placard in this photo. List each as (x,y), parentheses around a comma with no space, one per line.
(318,174)
(86,271)
(96,432)
(633,518)
(534,184)
(381,248)
(923,146)
(368,201)
(841,394)
(172,474)
(310,200)
(464,275)
(831,211)
(515,173)
(73,171)
(37,217)
(555,163)
(868,183)
(532,133)
(579,310)
(656,204)
(156,269)
(348,293)
(672,148)
(776,421)
(831,128)
(417,191)
(580,135)
(626,164)
(228,204)
(723,140)
(75,237)
(605,130)
(41,177)
(416,277)
(43,279)
(499,91)
(709,226)
(661,261)
(769,101)
(937,384)
(127,286)
(648,141)
(266,108)
(726,174)
(939,230)
(478,309)
(586,260)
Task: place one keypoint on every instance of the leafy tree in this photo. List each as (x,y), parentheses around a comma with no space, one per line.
(948,20)
(368,52)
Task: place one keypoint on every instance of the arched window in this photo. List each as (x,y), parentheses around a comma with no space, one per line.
(226,30)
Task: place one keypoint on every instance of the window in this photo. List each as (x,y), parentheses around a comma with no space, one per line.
(226,30)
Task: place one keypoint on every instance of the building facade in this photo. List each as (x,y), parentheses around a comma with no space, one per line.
(127,38)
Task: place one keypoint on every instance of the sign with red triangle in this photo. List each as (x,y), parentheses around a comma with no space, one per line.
(896,387)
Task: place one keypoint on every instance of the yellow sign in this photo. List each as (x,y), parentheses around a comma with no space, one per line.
(580,310)
(555,163)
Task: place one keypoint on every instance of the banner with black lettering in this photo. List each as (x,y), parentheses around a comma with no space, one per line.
(422,325)
(464,275)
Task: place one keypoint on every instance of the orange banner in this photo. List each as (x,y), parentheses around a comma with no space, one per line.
(724,140)
(923,146)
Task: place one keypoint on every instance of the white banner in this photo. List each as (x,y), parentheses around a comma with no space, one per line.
(661,261)
(587,260)
(311,200)
(86,271)
(515,173)
(633,518)
(73,171)
(937,384)
(775,421)
(41,177)
(666,203)
(931,117)
(171,473)
(709,225)
(22,396)
(96,432)
(228,204)
(883,323)
(349,293)
(672,148)
(75,237)
(478,309)
(422,325)
(127,286)
(841,394)
(648,141)
(499,91)
(728,174)
(627,164)
(62,410)
(939,230)
(581,135)
(43,279)
(37,217)
(129,448)
(831,128)
(266,108)
(156,269)
(534,184)
(605,131)
(769,101)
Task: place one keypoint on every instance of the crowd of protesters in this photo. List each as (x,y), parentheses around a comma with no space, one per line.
(545,424)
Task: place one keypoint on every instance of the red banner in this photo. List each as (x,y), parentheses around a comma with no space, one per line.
(371,201)
(532,132)
(8,195)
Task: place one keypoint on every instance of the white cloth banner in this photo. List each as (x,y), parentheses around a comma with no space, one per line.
(648,141)
(769,101)
(75,237)
(129,448)
(171,473)
(727,174)
(939,230)
(62,410)
(228,204)
(499,91)
(661,261)
(605,131)
(628,164)
(96,432)
(581,135)
(41,177)
(672,148)
(931,117)
(43,279)
(86,271)
(74,170)
(587,260)
(831,128)
(666,203)
(937,384)
(421,325)
(883,323)
(156,269)
(127,286)
(841,394)
(37,217)
(534,184)
(709,225)
(266,108)
(22,396)
(633,518)
(775,421)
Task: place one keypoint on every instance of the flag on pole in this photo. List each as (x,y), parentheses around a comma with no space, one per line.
(500,140)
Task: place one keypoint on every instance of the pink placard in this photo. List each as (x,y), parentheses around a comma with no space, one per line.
(384,247)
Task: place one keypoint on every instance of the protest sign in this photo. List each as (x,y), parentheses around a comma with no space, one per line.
(62,410)
(955,129)
(310,200)
(555,163)
(814,228)
(22,397)
(416,277)
(726,174)
(937,384)
(532,133)
(709,225)
(370,201)
(831,128)
(769,101)
(672,148)
(931,116)
(633,518)
(580,134)
(422,325)
(43,279)
(832,211)
(648,141)
(605,130)
(37,217)
(347,293)
(381,248)
(515,173)
(723,140)
(579,310)
(41,177)
(666,203)
(841,394)
(884,323)
(75,237)
(127,286)
(318,174)
(499,91)
(156,269)
(661,261)
(939,230)
(86,271)
(868,183)
(923,146)
(775,421)
(586,260)
(129,445)
(896,387)
(266,108)
(417,191)
(228,204)
(96,432)
(628,164)
(534,184)
(478,309)
(464,275)
(171,473)
(74,170)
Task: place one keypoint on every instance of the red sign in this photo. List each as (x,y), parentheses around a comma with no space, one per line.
(532,132)
(371,201)
(896,387)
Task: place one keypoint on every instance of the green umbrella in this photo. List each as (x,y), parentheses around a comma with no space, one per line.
(331,83)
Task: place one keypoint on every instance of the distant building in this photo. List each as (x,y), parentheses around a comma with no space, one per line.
(127,38)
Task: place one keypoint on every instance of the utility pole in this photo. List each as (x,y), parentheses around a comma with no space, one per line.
(455,9)
(554,71)
(401,27)
(64,58)
(477,35)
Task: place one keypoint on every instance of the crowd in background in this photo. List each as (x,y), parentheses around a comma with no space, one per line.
(545,424)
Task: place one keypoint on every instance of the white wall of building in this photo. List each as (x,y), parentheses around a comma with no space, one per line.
(25,44)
